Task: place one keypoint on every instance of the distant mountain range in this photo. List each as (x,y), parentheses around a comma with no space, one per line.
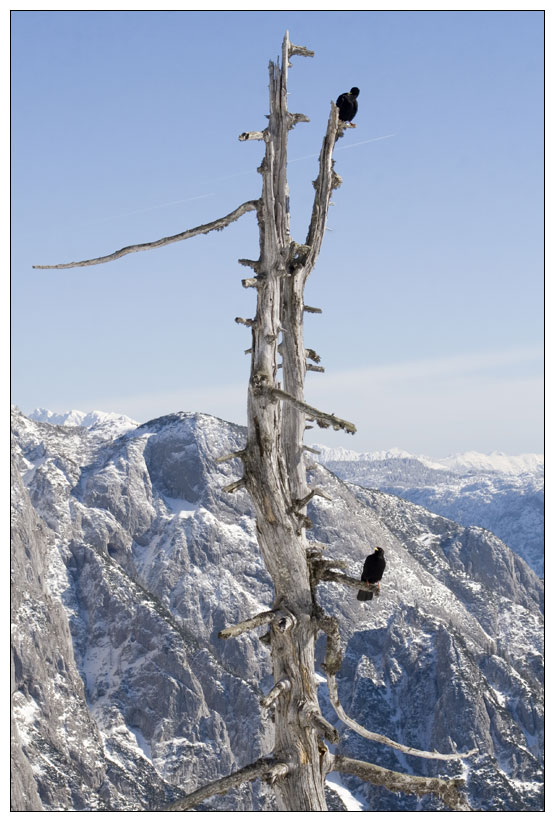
(468,462)
(128,559)
(502,493)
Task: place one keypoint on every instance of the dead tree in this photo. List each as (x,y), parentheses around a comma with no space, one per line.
(274,474)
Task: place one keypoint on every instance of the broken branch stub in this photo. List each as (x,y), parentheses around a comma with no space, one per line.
(234,486)
(279,688)
(248,624)
(251,135)
(302,50)
(321,417)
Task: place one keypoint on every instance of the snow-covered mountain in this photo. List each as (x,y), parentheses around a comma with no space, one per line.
(128,559)
(502,493)
(469,462)
(472,462)
(103,424)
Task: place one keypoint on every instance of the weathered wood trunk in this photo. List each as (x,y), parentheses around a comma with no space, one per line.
(274,466)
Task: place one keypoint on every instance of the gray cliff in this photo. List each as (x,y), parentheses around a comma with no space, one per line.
(127,559)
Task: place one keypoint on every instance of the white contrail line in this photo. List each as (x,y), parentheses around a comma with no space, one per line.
(343,148)
(152,208)
(363,142)
(230,177)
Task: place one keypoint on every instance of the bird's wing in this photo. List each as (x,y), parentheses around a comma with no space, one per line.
(368,566)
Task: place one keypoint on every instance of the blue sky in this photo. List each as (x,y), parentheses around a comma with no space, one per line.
(124,130)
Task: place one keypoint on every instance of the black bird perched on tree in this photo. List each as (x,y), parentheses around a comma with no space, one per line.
(374,567)
(347,104)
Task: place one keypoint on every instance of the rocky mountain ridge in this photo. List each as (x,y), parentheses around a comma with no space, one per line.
(127,561)
(501,493)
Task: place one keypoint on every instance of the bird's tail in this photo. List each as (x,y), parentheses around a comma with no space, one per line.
(364,596)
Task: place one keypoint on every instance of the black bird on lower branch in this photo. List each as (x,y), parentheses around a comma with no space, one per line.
(347,104)
(374,566)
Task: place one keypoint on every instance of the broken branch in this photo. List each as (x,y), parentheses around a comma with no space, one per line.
(302,50)
(248,624)
(316,492)
(279,688)
(312,355)
(322,565)
(251,135)
(297,118)
(310,715)
(254,264)
(232,456)
(322,418)
(448,790)
(251,282)
(261,768)
(215,225)
(234,486)
(331,576)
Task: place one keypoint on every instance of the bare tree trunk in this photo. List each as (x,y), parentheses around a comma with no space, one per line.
(275,476)
(274,467)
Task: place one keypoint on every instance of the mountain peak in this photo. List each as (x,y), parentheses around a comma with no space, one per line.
(105,423)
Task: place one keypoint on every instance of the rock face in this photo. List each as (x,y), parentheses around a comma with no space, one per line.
(503,494)
(127,559)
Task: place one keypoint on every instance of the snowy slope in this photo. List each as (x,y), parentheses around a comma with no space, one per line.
(504,494)
(128,559)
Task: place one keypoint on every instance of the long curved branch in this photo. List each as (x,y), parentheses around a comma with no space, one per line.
(215,225)
(448,790)
(332,664)
(360,729)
